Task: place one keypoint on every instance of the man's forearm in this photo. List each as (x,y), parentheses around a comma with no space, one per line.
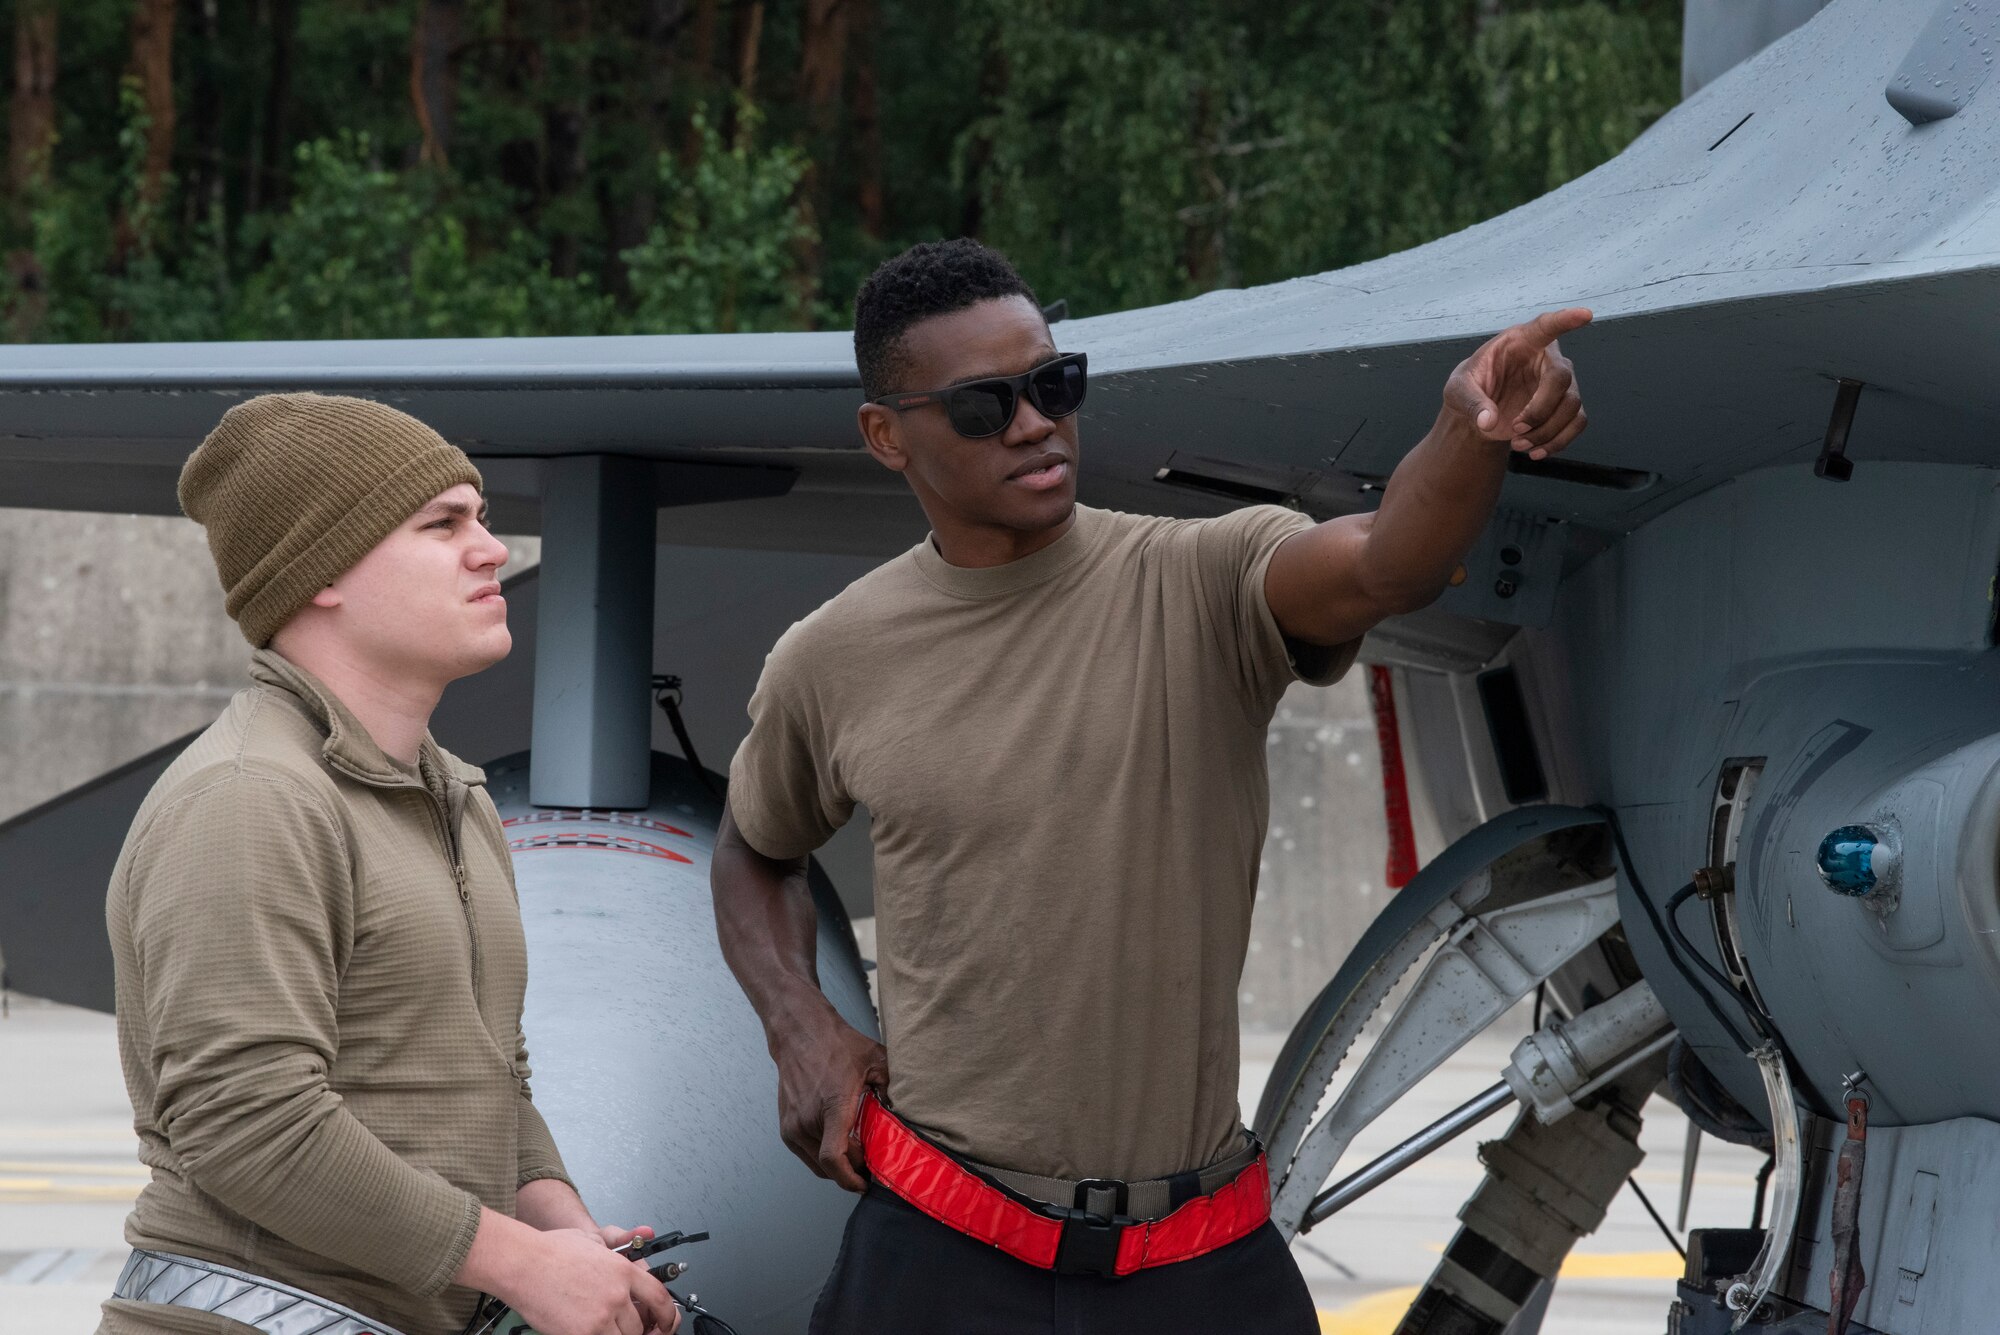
(769,932)
(548,1202)
(1340,578)
(1434,508)
(501,1250)
(331,1187)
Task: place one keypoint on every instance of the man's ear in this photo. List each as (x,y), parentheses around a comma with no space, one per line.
(882,433)
(327,597)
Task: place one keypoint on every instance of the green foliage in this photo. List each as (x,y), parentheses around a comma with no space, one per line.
(603,177)
(364,252)
(1118,117)
(1134,163)
(722,258)
(69,232)
(1569,88)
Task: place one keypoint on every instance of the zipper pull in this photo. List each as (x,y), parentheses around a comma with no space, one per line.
(458,875)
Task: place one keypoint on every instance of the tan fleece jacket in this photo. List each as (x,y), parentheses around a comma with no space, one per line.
(320,973)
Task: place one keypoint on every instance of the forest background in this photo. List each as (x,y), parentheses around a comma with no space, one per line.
(213,169)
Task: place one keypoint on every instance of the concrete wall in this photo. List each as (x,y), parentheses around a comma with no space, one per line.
(1323,864)
(113,641)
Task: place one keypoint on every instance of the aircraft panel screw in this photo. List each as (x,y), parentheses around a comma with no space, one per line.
(1506,586)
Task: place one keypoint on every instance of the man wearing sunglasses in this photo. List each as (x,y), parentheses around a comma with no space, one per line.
(1057,716)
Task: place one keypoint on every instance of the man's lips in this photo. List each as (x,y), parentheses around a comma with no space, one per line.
(1042,473)
(487,593)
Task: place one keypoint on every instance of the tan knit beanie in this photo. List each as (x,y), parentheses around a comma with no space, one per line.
(295,488)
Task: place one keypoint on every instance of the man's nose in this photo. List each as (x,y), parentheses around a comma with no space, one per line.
(490,551)
(1029,426)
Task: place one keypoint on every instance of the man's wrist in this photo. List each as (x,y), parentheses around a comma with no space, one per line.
(502,1249)
(1455,430)
(801,1018)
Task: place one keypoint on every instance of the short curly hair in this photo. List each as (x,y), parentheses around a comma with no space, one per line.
(929,279)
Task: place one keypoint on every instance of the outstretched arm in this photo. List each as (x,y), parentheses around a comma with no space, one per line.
(769,931)
(1517,393)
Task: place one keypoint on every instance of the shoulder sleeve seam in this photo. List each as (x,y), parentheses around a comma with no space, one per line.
(239,771)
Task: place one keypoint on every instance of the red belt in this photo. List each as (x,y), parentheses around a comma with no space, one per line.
(1071,1241)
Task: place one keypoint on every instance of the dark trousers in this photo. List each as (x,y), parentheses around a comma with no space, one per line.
(900,1272)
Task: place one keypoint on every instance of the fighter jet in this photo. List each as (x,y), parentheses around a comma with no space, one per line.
(1712,726)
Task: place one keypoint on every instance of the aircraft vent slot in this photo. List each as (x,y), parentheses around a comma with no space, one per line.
(1258,483)
(1732,130)
(1221,486)
(1521,775)
(1582,474)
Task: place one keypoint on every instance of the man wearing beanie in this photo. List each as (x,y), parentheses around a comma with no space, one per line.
(320,962)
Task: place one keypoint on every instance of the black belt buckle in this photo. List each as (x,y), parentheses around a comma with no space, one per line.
(1089,1243)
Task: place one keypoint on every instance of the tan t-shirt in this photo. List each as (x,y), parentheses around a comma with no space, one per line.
(1064,758)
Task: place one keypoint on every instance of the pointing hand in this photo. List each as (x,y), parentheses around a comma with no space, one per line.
(1518,386)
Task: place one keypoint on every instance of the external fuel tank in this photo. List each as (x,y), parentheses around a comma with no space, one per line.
(649,1064)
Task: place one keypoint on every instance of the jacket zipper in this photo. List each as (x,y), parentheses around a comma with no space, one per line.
(450,819)
(448,832)
(447,823)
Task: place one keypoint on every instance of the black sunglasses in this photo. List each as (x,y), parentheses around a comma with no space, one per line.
(984,407)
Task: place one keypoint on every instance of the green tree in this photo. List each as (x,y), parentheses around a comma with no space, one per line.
(721,257)
(363,252)
(323,168)
(1151,155)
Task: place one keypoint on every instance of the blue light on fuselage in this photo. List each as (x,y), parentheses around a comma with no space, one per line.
(1847,860)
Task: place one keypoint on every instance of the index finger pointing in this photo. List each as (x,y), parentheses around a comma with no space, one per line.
(1549,326)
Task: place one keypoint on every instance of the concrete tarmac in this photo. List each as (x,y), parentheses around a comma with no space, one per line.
(1366,1264)
(69,1167)
(68,1175)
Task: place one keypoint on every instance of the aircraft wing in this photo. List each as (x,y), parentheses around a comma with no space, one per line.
(1783,228)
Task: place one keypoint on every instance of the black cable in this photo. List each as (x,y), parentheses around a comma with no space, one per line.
(1677,944)
(1715,975)
(667,694)
(1667,939)
(1541,995)
(1346,1272)
(1675,941)
(704,1321)
(1666,1232)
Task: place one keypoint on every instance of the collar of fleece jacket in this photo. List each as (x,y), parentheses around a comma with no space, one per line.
(348,747)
